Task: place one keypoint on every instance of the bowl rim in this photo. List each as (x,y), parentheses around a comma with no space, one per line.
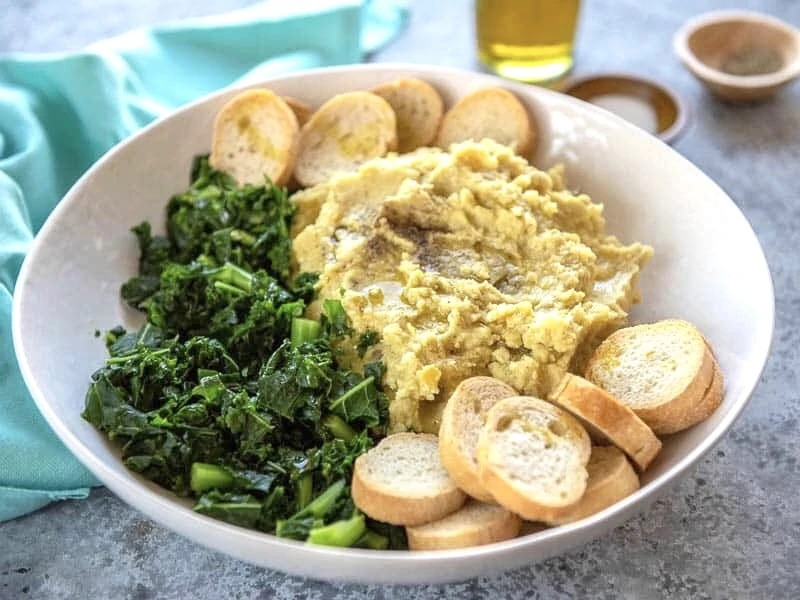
(681,47)
(204,527)
(682,112)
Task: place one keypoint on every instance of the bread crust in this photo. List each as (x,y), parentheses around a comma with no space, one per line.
(395,505)
(301,110)
(667,415)
(532,527)
(330,142)
(475,116)
(459,430)
(240,130)
(495,472)
(500,524)
(611,478)
(711,400)
(677,414)
(418,107)
(607,418)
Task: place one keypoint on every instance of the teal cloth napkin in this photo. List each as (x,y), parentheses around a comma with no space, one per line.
(60,112)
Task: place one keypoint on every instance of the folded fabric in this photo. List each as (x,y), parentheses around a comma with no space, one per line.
(60,113)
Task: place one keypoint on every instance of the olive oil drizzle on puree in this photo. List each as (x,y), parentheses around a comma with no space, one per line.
(466,262)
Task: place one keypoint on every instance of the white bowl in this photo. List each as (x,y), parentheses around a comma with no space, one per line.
(708,268)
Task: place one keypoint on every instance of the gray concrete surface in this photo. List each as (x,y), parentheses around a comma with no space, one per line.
(729,530)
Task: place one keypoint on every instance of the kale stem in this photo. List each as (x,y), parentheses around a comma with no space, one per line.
(342,533)
(352,392)
(245,512)
(144,332)
(373,541)
(238,235)
(204,477)
(119,360)
(339,427)
(304,330)
(275,465)
(232,275)
(203,373)
(322,504)
(304,490)
(226,287)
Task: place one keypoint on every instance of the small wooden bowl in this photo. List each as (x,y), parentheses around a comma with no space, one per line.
(740,56)
(668,113)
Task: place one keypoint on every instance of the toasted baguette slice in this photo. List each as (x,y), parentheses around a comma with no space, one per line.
(606,418)
(474,524)
(661,370)
(711,399)
(492,113)
(461,423)
(301,110)
(255,136)
(531,527)
(401,481)
(346,131)
(532,457)
(418,108)
(611,478)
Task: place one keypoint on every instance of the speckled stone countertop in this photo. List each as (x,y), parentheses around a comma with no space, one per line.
(729,530)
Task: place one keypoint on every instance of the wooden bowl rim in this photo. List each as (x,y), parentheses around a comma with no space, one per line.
(696,25)
(642,88)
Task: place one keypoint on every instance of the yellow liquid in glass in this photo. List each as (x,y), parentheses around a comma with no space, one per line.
(528,40)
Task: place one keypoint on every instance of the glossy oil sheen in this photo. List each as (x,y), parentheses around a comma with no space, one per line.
(529,40)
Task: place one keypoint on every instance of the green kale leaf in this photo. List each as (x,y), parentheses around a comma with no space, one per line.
(227,394)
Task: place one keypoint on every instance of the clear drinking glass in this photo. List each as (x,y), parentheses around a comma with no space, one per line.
(528,40)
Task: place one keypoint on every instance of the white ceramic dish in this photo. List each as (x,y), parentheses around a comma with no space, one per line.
(708,268)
